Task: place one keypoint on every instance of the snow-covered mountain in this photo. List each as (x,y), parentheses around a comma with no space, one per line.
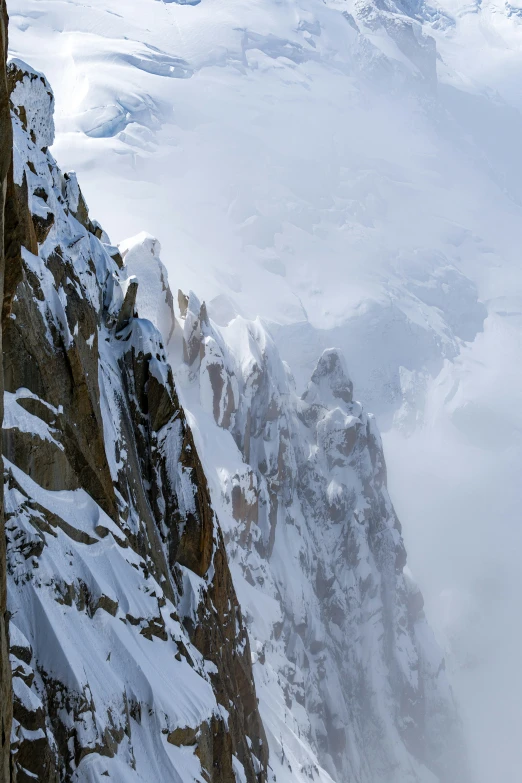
(348,672)
(130,656)
(350,173)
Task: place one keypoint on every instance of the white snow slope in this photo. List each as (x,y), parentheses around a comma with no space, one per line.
(351,173)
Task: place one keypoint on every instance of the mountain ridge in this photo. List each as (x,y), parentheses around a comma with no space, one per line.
(112,543)
(93,420)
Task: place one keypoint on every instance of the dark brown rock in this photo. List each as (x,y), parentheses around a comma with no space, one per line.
(217,638)
(182,736)
(43,460)
(42,226)
(129,304)
(216,633)
(61,376)
(5,166)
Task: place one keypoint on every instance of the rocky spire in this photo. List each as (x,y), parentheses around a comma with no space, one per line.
(344,654)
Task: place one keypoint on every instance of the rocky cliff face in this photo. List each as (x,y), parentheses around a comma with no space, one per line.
(345,658)
(5,158)
(130,657)
(351,682)
(131,654)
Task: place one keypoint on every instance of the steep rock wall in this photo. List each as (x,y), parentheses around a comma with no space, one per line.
(130,657)
(5,159)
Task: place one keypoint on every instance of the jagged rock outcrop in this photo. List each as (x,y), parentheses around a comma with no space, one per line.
(130,656)
(351,682)
(5,159)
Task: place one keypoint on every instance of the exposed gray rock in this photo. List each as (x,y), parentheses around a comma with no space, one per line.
(349,652)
